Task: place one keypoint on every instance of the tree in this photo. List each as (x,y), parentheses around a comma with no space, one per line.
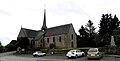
(108,24)
(83,38)
(115,23)
(90,29)
(1,48)
(116,34)
(23,42)
(11,46)
(106,27)
(87,35)
(83,32)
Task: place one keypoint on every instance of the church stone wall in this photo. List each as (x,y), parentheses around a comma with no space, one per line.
(58,43)
(71,38)
(67,40)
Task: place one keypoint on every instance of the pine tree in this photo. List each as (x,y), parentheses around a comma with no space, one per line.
(107,25)
(83,32)
(90,29)
(82,42)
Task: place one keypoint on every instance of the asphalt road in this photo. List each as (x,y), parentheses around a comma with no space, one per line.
(7,53)
(51,58)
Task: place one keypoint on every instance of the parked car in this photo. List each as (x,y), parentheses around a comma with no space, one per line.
(75,53)
(95,53)
(38,53)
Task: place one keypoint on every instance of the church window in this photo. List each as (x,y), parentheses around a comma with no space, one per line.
(60,39)
(41,41)
(72,36)
(72,45)
(53,39)
(47,40)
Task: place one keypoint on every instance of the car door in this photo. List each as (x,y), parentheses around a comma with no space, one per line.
(79,52)
(39,53)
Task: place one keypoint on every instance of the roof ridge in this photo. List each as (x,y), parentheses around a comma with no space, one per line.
(30,29)
(60,26)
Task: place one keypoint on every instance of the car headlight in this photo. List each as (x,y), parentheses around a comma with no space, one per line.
(98,54)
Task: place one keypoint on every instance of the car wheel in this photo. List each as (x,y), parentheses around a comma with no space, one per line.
(88,58)
(35,55)
(99,58)
(68,57)
(83,55)
(76,56)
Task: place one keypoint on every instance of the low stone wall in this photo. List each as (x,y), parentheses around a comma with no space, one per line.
(111,50)
(107,50)
(59,51)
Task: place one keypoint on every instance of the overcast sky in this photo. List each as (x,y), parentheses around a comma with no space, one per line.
(29,14)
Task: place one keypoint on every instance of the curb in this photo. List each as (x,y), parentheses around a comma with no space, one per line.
(115,56)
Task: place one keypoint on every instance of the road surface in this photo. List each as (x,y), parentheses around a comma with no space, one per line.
(51,58)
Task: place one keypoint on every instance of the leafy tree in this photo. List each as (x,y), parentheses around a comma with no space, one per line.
(83,32)
(90,29)
(10,47)
(1,47)
(23,42)
(83,38)
(87,35)
(107,25)
(115,23)
(52,45)
(116,34)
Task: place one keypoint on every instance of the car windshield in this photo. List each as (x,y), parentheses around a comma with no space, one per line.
(72,51)
(39,51)
(92,50)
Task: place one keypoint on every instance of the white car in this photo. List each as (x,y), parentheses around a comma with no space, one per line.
(95,53)
(75,53)
(38,53)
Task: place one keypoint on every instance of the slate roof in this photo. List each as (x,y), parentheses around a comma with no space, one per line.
(58,30)
(30,33)
(39,35)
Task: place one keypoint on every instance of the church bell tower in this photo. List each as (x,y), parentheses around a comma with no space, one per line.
(44,27)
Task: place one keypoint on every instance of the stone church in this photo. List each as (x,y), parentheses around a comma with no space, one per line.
(62,36)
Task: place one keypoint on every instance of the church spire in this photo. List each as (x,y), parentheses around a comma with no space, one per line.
(44,27)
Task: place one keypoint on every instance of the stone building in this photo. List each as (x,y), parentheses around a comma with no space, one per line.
(62,36)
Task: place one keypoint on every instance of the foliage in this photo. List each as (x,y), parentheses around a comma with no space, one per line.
(87,35)
(83,32)
(9,47)
(107,25)
(83,38)
(90,29)
(52,46)
(1,48)
(23,42)
(116,34)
